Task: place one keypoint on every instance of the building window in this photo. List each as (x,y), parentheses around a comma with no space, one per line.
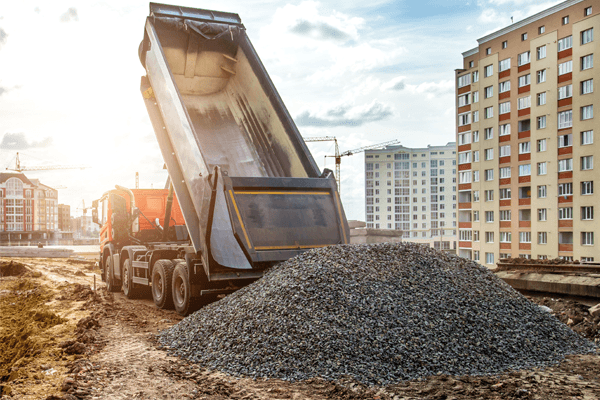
(489,112)
(541,192)
(523,36)
(471,64)
(524,237)
(587,86)
(503,65)
(475,76)
(541,99)
(541,145)
(505,172)
(541,168)
(565,165)
(475,97)
(489,174)
(505,194)
(524,80)
(505,237)
(565,119)
(524,58)
(587,238)
(505,44)
(488,71)
(565,20)
(542,237)
(464,100)
(464,119)
(503,86)
(587,213)
(542,214)
(587,187)
(565,92)
(488,133)
(587,163)
(541,76)
(587,62)
(504,107)
(504,129)
(488,154)
(489,258)
(524,102)
(475,136)
(587,36)
(565,213)
(541,52)
(541,122)
(525,170)
(489,195)
(464,80)
(524,147)
(476,156)
(505,150)
(587,137)
(587,11)
(489,237)
(488,51)
(565,189)
(565,237)
(587,112)
(476,176)
(489,216)
(489,92)
(476,196)
(565,67)
(565,140)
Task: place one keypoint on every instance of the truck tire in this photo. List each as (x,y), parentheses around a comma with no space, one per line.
(182,291)
(162,275)
(112,284)
(131,290)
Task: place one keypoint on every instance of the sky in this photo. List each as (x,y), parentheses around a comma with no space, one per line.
(364,72)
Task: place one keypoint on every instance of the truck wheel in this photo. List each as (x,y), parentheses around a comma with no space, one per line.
(162,275)
(131,290)
(112,284)
(182,291)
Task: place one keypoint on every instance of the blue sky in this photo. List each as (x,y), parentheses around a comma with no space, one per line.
(365,72)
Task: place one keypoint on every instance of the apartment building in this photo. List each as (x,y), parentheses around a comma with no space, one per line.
(525,133)
(413,190)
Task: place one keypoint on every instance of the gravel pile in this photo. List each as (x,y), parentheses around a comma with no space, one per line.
(377,313)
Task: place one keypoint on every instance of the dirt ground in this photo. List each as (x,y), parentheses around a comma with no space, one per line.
(60,339)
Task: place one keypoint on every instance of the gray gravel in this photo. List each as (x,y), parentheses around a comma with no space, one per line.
(377,313)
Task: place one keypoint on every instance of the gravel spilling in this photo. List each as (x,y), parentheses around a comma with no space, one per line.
(377,313)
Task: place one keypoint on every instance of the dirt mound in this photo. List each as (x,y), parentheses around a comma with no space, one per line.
(13,268)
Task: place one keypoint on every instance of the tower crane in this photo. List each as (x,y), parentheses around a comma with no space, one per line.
(338,156)
(20,168)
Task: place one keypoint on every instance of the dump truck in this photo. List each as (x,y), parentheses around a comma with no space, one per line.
(249,190)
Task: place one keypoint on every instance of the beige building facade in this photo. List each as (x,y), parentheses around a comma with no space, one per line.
(525,133)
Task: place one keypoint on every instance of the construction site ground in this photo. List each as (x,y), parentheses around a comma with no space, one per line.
(60,339)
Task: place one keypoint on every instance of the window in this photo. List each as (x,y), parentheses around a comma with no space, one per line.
(541,168)
(524,102)
(587,112)
(523,58)
(587,62)
(503,65)
(525,170)
(541,122)
(475,136)
(565,119)
(565,43)
(488,71)
(541,99)
(587,36)
(523,36)
(488,51)
(524,237)
(475,97)
(565,92)
(587,137)
(542,237)
(471,64)
(476,176)
(505,44)
(489,216)
(505,194)
(476,196)
(524,147)
(541,145)
(524,80)
(475,216)
(541,191)
(475,116)
(489,92)
(524,125)
(503,86)
(565,165)
(565,238)
(587,187)
(505,150)
(504,107)
(504,129)
(464,138)
(565,140)
(587,238)
(489,258)
(587,213)
(505,237)
(489,112)
(504,172)
(464,80)
(587,86)
(489,174)
(565,20)
(488,133)
(464,100)
(464,158)
(541,29)
(542,214)
(464,119)
(488,154)
(464,177)
(565,213)
(587,163)
(489,195)
(541,76)
(476,156)
(565,189)
(565,67)
(587,11)
(475,76)
(489,237)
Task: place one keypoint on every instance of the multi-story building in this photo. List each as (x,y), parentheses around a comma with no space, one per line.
(64,217)
(525,133)
(413,190)
(28,210)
